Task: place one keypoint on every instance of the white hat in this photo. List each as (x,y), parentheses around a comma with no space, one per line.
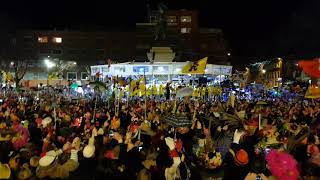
(46,121)
(100,131)
(88,151)
(48,158)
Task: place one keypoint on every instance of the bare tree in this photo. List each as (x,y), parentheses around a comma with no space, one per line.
(62,66)
(17,69)
(88,71)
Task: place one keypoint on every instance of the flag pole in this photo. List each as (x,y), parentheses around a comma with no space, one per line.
(145,94)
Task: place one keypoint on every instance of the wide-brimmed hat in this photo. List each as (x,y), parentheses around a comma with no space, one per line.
(100,131)
(88,151)
(5,138)
(148,163)
(24,173)
(241,157)
(46,121)
(5,171)
(48,158)
(34,161)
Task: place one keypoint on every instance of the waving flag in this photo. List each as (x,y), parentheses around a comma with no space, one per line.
(197,67)
(137,87)
(311,68)
(313,92)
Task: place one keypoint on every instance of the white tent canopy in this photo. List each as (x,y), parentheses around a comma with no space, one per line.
(156,68)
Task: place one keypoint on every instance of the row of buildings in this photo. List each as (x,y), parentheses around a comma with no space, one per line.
(86,47)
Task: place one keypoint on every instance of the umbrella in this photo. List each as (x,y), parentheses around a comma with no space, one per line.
(178,120)
(187,91)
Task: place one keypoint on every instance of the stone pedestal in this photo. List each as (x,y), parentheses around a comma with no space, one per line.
(161,54)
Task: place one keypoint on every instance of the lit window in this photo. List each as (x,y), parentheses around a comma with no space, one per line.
(57,40)
(43,39)
(171,19)
(185,18)
(185,30)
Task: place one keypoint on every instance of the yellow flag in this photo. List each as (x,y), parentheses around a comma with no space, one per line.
(313,92)
(137,87)
(197,67)
(161,89)
(155,90)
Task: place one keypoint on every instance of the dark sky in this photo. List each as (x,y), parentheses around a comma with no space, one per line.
(255,30)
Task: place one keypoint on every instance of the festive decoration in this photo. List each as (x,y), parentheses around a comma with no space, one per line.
(282,165)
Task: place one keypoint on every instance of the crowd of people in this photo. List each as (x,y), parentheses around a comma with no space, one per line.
(44,136)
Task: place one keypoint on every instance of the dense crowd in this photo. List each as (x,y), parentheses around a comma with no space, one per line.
(48,137)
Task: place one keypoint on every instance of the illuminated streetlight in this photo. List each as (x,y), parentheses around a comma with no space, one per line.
(264,71)
(229,54)
(49,64)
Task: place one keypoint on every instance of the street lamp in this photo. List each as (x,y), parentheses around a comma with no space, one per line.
(264,71)
(49,65)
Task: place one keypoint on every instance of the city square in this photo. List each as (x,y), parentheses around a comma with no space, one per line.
(159,90)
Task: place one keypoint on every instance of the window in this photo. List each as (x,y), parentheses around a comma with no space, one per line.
(56,51)
(140,69)
(153,19)
(84,76)
(74,51)
(99,51)
(71,76)
(27,39)
(95,70)
(171,19)
(43,39)
(57,40)
(45,51)
(119,70)
(27,51)
(185,30)
(204,46)
(161,69)
(185,18)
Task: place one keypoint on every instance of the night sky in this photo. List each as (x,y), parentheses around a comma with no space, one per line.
(256,30)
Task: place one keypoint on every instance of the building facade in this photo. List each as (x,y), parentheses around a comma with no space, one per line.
(183,35)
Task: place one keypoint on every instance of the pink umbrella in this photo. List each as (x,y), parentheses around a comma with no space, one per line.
(282,165)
